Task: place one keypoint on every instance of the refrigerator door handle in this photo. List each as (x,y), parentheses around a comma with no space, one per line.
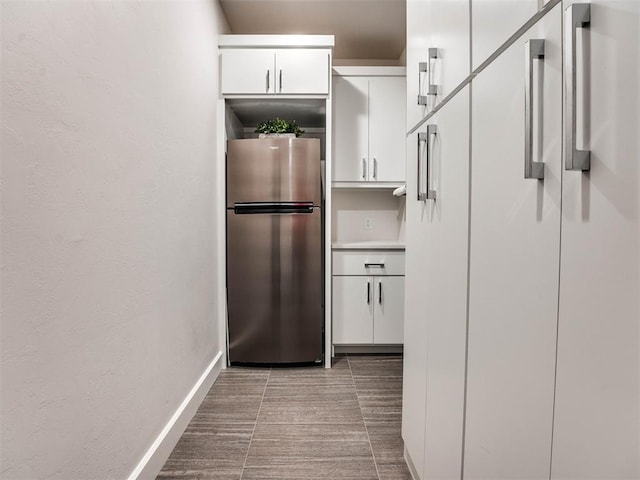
(253,208)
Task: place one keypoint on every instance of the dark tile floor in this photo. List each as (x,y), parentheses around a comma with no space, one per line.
(309,423)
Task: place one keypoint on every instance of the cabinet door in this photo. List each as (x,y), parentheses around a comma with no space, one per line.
(414,376)
(387,129)
(353,310)
(514,262)
(350,128)
(388,311)
(246,71)
(303,71)
(597,412)
(493,21)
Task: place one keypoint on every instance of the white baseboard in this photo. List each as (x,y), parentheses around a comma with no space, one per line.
(153,461)
(412,468)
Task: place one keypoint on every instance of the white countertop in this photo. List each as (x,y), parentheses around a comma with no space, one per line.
(370,245)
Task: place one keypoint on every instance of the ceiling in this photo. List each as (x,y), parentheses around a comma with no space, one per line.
(363,29)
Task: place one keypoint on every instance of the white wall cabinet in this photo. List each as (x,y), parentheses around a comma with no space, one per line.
(368,308)
(263,71)
(552,354)
(369,128)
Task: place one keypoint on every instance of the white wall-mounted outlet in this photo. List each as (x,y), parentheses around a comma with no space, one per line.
(368,224)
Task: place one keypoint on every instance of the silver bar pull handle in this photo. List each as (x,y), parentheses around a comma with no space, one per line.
(281,80)
(534,49)
(427,193)
(577,16)
(380,293)
(364,168)
(375,168)
(377,265)
(368,293)
(268,84)
(433,88)
(423,67)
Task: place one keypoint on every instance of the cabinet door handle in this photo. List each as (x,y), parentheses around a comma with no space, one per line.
(364,168)
(280,80)
(534,49)
(268,83)
(380,293)
(577,16)
(375,168)
(423,67)
(377,265)
(427,67)
(368,293)
(427,193)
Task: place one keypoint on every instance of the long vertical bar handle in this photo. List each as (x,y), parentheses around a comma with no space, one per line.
(281,80)
(534,49)
(375,168)
(423,67)
(432,129)
(364,168)
(577,16)
(268,84)
(368,293)
(380,292)
(433,88)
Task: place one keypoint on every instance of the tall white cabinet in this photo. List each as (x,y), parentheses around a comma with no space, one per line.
(522,323)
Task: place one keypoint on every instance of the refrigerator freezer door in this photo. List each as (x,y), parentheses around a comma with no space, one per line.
(274,287)
(273,170)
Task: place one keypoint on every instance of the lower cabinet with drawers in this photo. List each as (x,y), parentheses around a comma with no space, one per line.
(368,297)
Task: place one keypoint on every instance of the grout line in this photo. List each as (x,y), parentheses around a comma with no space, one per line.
(255,424)
(373,455)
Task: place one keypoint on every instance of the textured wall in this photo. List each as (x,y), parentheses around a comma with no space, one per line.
(108,227)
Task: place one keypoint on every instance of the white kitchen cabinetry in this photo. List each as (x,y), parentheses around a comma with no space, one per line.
(513,280)
(369,126)
(260,71)
(553,356)
(368,298)
(437,243)
(597,410)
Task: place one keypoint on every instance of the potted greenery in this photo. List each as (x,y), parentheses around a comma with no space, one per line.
(279,128)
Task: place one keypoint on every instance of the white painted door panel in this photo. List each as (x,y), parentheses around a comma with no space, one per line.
(387,129)
(515,242)
(597,414)
(247,71)
(351,129)
(303,71)
(494,21)
(388,311)
(445,291)
(353,310)
(414,383)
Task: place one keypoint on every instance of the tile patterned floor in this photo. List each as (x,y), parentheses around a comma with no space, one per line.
(306,424)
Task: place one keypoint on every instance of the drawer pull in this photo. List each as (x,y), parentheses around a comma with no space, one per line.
(371,265)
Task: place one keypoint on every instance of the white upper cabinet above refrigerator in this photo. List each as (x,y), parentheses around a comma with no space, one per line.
(275,64)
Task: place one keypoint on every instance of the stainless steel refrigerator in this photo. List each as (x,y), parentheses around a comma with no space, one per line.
(274,251)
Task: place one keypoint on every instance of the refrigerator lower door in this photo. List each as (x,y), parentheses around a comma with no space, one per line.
(274,287)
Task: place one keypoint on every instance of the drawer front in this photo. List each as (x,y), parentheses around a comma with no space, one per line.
(370,262)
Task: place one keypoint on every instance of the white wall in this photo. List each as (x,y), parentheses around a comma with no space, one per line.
(108,228)
(351,208)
